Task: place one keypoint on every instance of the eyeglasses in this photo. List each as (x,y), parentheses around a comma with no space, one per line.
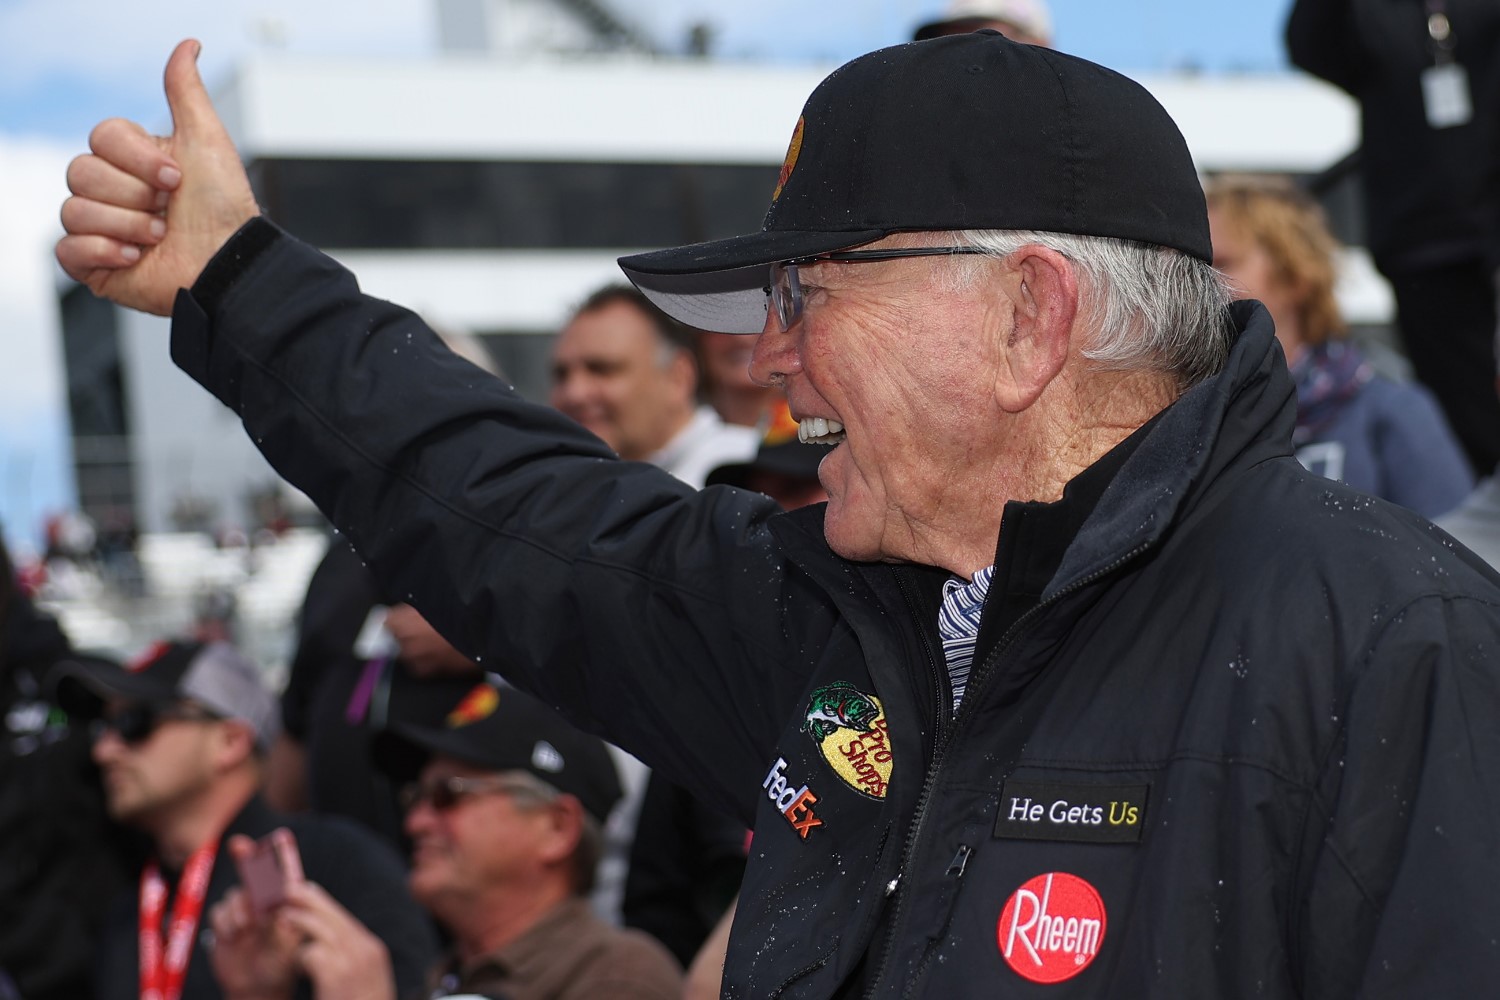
(785,288)
(445,793)
(134,724)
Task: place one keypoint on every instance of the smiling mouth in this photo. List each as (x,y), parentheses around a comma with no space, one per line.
(820,430)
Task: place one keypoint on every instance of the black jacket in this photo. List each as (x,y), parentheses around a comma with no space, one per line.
(1268,704)
(355,866)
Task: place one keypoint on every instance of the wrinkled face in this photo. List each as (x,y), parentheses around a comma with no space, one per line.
(1253,274)
(481,841)
(148,781)
(895,367)
(613,374)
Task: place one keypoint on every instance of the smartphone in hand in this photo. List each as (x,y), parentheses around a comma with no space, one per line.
(267,871)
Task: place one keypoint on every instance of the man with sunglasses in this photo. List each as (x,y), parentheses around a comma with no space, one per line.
(505,808)
(180,738)
(1078,684)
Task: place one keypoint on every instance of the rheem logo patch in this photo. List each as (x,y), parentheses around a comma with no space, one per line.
(1052,927)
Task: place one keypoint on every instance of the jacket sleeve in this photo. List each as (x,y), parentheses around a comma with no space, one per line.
(652,614)
(1401,898)
(1321,38)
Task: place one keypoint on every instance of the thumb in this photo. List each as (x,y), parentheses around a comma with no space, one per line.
(193,114)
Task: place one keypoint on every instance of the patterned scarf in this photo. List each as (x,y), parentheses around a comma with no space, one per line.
(1327,377)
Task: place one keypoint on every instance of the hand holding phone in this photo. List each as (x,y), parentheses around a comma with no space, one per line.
(267,868)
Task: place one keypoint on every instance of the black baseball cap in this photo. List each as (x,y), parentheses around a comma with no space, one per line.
(502,729)
(213,675)
(968,131)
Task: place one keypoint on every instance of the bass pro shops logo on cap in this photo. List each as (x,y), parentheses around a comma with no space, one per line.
(793,150)
(850,730)
(1052,927)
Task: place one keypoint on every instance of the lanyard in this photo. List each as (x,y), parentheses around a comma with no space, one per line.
(164,965)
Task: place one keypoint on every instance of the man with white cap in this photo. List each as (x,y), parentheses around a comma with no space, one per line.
(180,739)
(1078,685)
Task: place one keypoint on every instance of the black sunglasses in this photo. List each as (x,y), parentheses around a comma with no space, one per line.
(135,723)
(445,793)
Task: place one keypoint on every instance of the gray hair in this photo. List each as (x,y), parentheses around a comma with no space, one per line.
(1150,308)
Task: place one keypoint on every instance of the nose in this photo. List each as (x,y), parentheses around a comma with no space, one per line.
(777,353)
(106,745)
(418,818)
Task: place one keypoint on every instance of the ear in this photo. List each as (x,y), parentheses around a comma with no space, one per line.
(1042,289)
(233,743)
(564,828)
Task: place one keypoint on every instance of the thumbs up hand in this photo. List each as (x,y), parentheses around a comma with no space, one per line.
(148,212)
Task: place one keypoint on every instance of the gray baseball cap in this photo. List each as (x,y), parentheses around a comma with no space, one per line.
(214,675)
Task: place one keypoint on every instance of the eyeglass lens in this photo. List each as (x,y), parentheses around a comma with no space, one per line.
(442,794)
(133,723)
(786,295)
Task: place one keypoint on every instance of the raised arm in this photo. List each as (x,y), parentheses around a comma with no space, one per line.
(641,607)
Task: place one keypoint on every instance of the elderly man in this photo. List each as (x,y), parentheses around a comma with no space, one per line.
(505,809)
(1078,679)
(180,740)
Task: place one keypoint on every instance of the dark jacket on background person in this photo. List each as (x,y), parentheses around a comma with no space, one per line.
(60,859)
(1239,735)
(335,699)
(357,869)
(1423,186)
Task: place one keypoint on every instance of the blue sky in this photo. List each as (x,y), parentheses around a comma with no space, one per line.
(66,64)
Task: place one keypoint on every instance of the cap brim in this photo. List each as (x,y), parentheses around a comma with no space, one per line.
(82,687)
(401,749)
(721,285)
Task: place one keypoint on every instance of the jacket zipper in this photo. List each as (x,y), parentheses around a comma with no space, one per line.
(939,756)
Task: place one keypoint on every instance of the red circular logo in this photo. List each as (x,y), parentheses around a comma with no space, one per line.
(1052,927)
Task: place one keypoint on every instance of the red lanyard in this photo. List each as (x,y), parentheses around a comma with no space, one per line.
(163,966)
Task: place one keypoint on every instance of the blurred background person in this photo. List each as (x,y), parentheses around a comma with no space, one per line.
(505,807)
(1027,21)
(361,663)
(61,862)
(628,372)
(179,743)
(727,385)
(1384,437)
(1426,74)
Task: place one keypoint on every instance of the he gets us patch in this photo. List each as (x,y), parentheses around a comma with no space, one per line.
(1049,810)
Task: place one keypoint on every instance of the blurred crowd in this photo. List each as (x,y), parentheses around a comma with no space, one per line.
(421,829)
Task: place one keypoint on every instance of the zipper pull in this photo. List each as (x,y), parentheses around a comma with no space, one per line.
(959,863)
(892,886)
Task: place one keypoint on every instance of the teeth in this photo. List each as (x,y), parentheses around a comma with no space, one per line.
(819,430)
